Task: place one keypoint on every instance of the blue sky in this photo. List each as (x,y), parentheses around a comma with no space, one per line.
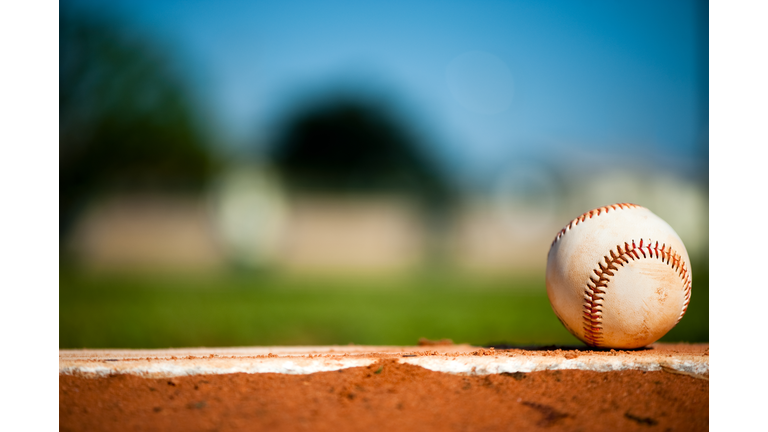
(483,81)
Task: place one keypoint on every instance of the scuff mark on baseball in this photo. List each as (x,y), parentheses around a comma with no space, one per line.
(618,277)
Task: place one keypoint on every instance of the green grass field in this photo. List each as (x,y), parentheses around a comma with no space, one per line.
(237,310)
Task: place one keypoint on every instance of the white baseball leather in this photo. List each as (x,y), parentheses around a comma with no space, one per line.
(618,277)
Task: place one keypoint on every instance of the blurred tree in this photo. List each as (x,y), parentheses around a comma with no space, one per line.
(350,146)
(125,119)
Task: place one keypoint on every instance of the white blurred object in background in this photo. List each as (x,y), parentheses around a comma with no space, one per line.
(249,212)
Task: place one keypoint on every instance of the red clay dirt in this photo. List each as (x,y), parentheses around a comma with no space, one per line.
(387,395)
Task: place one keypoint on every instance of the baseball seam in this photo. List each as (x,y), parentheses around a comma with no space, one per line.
(592,213)
(594,293)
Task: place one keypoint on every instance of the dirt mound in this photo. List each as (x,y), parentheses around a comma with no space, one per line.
(387,395)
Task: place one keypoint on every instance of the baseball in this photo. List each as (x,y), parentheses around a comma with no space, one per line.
(618,277)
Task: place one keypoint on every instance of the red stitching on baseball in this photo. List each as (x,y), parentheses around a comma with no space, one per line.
(594,293)
(590,214)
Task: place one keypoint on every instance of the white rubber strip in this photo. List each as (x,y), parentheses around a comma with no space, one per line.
(456,359)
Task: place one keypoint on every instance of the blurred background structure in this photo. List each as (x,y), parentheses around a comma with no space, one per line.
(310,172)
